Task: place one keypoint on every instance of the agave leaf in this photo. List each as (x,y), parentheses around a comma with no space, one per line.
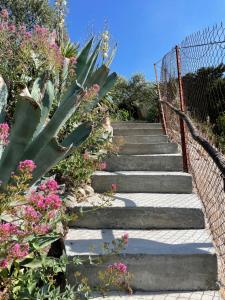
(53,152)
(3,98)
(39,87)
(27,117)
(83,57)
(62,114)
(78,136)
(46,105)
(89,65)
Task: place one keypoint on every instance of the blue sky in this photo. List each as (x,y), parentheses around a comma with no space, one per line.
(143,29)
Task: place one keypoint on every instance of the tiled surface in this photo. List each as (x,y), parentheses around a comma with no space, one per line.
(147,200)
(206,295)
(150,242)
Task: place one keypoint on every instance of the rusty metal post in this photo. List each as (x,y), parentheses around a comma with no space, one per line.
(182,108)
(161,110)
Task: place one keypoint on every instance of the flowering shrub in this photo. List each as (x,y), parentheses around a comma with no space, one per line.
(36,214)
(34,217)
(4,134)
(115,276)
(25,51)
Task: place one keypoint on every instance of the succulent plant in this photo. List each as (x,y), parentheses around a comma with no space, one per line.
(33,135)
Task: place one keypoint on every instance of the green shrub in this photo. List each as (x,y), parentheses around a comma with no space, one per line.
(135,99)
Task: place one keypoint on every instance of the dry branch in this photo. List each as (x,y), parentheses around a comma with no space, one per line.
(217,156)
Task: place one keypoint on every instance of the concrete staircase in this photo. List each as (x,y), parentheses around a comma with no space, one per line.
(168,249)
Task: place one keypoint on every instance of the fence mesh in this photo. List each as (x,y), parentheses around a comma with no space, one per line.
(202,65)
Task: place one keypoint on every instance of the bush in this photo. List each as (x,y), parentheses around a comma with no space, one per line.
(135,99)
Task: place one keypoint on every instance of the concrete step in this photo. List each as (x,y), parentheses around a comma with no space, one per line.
(142,182)
(140,211)
(152,162)
(160,260)
(140,139)
(136,125)
(190,295)
(137,131)
(159,148)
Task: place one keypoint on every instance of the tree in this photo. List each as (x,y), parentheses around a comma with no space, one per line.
(138,96)
(30,12)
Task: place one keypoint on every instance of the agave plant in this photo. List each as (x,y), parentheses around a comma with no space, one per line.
(33,135)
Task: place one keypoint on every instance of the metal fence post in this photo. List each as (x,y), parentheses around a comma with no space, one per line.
(161,110)
(182,108)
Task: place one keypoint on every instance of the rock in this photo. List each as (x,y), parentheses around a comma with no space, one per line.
(89,190)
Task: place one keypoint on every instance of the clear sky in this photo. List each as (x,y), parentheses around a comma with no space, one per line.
(143,29)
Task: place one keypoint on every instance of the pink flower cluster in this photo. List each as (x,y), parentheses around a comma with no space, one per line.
(118,266)
(4,133)
(125,238)
(113,187)
(42,202)
(91,92)
(86,155)
(37,217)
(19,250)
(4,14)
(27,166)
(102,166)
(7,230)
(49,185)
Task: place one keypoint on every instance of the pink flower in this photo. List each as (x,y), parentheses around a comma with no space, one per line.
(53,201)
(125,238)
(27,35)
(22,29)
(31,214)
(40,30)
(49,185)
(41,229)
(73,60)
(27,166)
(36,198)
(4,263)
(4,133)
(19,251)
(102,166)
(91,92)
(96,88)
(4,14)
(118,267)
(6,230)
(12,28)
(114,187)
(86,155)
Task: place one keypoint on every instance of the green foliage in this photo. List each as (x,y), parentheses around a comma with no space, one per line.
(137,97)
(204,96)
(30,12)
(38,141)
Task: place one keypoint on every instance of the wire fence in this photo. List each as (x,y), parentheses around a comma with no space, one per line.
(192,79)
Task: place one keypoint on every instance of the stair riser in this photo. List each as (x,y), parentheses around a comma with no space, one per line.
(138,218)
(164,148)
(160,272)
(140,139)
(140,125)
(132,131)
(143,183)
(144,163)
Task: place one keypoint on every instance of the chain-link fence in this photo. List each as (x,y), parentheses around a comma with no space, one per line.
(192,79)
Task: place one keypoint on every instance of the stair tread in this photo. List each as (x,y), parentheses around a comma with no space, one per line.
(146,242)
(166,295)
(146,200)
(148,155)
(144,173)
